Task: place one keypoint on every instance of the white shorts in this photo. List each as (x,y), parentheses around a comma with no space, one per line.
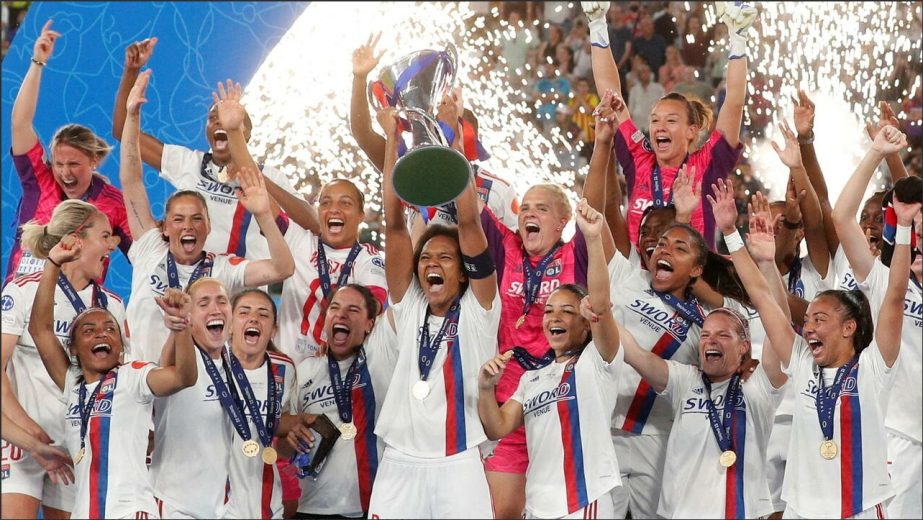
(641,459)
(602,507)
(776,455)
(872,512)
(905,464)
(21,474)
(445,487)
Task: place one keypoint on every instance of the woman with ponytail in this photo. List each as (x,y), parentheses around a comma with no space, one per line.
(842,369)
(36,405)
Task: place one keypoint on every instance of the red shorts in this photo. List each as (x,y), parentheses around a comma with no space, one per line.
(510,455)
(291,489)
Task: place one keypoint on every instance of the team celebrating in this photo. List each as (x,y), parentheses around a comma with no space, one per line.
(482,365)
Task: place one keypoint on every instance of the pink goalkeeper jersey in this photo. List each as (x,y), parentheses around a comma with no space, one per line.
(713,161)
(41,195)
(568,266)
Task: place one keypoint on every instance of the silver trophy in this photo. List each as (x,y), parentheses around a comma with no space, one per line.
(431,173)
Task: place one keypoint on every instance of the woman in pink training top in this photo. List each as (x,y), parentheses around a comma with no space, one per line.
(76,153)
(651,163)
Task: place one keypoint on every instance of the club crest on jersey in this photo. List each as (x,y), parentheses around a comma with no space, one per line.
(646,144)
(377,261)
(698,390)
(6,303)
(554,269)
(108,387)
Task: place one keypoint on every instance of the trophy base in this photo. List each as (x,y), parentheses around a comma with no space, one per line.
(431,175)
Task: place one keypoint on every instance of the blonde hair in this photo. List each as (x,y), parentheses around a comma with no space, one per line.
(72,215)
(83,139)
(559,196)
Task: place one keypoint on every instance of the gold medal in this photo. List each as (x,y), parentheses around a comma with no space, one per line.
(727,458)
(79,457)
(348,431)
(520,321)
(269,455)
(828,450)
(250,448)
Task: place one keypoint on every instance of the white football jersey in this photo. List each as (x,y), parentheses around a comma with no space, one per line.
(695,485)
(255,490)
(857,478)
(566,410)
(344,485)
(843,276)
(148,256)
(907,395)
(446,422)
(234,230)
(34,389)
(657,327)
(112,479)
(192,439)
(301,310)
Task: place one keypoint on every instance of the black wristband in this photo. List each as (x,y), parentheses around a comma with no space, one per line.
(480,266)
(791,225)
(54,263)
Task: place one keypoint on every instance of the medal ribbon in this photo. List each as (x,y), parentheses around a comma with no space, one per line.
(265,430)
(826,398)
(688,310)
(99,297)
(323,270)
(533,279)
(657,185)
(342,393)
(86,410)
(428,349)
(204,265)
(721,427)
(228,402)
(794,276)
(530,362)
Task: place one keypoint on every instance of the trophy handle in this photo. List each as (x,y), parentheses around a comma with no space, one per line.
(426,123)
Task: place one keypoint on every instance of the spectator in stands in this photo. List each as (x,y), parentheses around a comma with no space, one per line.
(695,42)
(672,71)
(644,95)
(650,45)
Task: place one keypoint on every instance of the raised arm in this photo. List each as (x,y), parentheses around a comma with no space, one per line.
(605,331)
(594,188)
(171,379)
(895,165)
(811,215)
(774,319)
(853,240)
(804,126)
(365,58)
(398,248)
(738,17)
(499,421)
(605,71)
(891,314)
(137,205)
(22,133)
(483,277)
(280,264)
(41,324)
(136,56)
(297,208)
